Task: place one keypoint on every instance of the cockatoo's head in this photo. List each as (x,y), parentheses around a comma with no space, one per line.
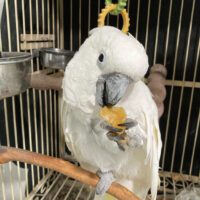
(103,68)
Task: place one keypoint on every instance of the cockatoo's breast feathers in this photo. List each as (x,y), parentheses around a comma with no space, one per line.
(122,52)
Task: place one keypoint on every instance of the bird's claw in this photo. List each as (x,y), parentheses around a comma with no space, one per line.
(129,123)
(135,139)
(110,128)
(119,139)
(106,179)
(130,137)
(114,137)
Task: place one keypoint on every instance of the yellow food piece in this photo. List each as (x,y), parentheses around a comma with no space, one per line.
(114,116)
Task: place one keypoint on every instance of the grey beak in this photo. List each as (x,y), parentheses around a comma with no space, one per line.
(110,88)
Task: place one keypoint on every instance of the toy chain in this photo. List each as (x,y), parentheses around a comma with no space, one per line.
(120,6)
(116,9)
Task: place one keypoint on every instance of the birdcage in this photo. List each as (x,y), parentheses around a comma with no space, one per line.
(30,120)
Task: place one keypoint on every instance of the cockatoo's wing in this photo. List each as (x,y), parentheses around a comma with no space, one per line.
(154,146)
(153,153)
(65,115)
(141,107)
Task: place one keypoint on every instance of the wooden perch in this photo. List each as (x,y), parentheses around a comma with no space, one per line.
(156,83)
(8,154)
(46,79)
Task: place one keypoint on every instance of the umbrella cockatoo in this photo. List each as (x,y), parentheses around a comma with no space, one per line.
(107,71)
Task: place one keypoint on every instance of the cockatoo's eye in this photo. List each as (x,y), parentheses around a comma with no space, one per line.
(101,57)
(101,60)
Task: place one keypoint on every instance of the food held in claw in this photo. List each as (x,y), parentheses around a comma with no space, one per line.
(114,116)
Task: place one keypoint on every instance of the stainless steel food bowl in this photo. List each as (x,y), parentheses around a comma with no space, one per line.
(55,58)
(15,68)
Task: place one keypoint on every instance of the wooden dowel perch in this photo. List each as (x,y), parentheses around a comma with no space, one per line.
(156,83)
(46,79)
(8,154)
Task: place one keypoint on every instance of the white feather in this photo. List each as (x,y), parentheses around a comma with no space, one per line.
(92,148)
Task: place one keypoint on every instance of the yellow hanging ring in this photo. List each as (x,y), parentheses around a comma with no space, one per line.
(108,9)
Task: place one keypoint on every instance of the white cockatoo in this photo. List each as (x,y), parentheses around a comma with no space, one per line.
(107,71)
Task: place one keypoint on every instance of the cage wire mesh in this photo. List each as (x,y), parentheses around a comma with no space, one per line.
(169,30)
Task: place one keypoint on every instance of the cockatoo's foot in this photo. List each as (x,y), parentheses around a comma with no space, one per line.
(135,138)
(132,137)
(106,179)
(105,125)
(123,139)
(119,139)
(129,123)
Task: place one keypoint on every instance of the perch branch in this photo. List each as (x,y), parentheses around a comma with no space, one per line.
(46,79)
(156,83)
(8,154)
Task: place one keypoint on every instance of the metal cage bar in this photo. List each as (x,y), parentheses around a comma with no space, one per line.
(33,138)
(171,93)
